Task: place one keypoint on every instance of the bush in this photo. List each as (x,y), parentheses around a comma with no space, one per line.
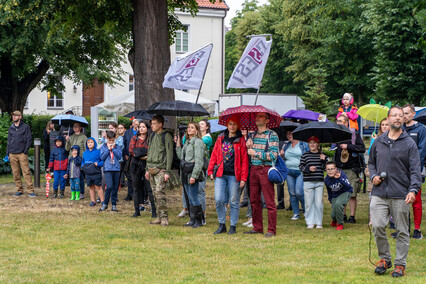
(5,121)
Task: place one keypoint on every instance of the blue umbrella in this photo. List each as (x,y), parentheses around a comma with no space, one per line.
(68,120)
(215,127)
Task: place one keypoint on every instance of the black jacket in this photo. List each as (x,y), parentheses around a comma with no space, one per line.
(354,161)
(401,163)
(126,141)
(19,139)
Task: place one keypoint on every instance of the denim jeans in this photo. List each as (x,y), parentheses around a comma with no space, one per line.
(75,184)
(227,188)
(59,180)
(201,194)
(295,189)
(192,191)
(112,182)
(313,202)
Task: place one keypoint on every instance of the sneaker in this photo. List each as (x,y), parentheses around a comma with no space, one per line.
(142,208)
(92,204)
(333,224)
(399,271)
(98,200)
(351,220)
(417,234)
(82,196)
(103,208)
(250,226)
(295,217)
(339,227)
(382,266)
(114,208)
(18,193)
(250,221)
(183,213)
(310,226)
(319,226)
(32,195)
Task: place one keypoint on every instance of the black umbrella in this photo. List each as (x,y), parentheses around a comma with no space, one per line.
(177,108)
(285,125)
(421,117)
(327,132)
(141,114)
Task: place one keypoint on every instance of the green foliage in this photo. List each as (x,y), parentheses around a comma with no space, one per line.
(315,97)
(5,122)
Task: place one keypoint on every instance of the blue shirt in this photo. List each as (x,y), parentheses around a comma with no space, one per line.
(292,157)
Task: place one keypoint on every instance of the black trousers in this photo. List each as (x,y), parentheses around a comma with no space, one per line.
(280,194)
(140,186)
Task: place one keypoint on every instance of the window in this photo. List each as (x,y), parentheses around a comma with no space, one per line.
(131,82)
(55,101)
(181,41)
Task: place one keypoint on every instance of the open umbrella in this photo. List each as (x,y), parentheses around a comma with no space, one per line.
(139,114)
(373,112)
(327,132)
(302,114)
(68,120)
(215,126)
(177,108)
(285,125)
(247,116)
(421,117)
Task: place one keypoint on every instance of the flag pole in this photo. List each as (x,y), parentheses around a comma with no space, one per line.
(202,81)
(257,94)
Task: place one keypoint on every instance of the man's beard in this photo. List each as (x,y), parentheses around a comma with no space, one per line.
(396,127)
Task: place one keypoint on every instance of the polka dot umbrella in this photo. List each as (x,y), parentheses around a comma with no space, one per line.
(246,115)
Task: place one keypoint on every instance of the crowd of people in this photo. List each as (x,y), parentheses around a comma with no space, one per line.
(238,162)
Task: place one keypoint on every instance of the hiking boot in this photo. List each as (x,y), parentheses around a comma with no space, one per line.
(155,222)
(164,222)
(232,230)
(221,229)
(18,193)
(198,216)
(32,194)
(103,208)
(417,234)
(382,266)
(55,195)
(339,227)
(114,208)
(61,194)
(183,213)
(333,224)
(399,271)
(351,220)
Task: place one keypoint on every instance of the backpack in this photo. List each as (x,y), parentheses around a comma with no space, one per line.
(175,160)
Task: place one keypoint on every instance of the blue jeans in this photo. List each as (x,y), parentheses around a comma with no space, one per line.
(227,188)
(201,194)
(58,177)
(75,184)
(192,191)
(295,189)
(112,181)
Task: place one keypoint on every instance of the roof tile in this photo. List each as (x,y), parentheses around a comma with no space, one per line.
(217,5)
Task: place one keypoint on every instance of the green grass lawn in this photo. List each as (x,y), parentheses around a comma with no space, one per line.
(58,241)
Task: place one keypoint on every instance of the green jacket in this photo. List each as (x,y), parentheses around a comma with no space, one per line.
(194,149)
(79,140)
(160,155)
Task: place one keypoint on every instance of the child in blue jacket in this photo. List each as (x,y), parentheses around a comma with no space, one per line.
(73,172)
(111,154)
(91,167)
(339,192)
(58,162)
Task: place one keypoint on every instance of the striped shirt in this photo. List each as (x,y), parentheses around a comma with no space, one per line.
(308,160)
(259,145)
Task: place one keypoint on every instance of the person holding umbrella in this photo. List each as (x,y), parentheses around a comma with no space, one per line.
(312,165)
(77,138)
(263,149)
(348,158)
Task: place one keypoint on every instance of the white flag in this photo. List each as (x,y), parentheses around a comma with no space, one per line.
(249,71)
(187,72)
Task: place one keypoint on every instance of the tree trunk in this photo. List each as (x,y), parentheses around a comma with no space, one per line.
(14,92)
(151,53)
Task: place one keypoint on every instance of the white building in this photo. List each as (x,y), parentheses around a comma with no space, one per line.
(207,27)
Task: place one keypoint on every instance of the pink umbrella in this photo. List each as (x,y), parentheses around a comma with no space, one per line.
(246,115)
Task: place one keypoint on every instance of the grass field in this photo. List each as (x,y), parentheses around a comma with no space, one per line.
(57,241)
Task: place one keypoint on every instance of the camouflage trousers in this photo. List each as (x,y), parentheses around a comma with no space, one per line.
(159,188)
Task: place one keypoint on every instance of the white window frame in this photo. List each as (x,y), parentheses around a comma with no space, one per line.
(55,100)
(179,48)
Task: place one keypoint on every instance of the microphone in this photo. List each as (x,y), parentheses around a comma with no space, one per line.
(383,175)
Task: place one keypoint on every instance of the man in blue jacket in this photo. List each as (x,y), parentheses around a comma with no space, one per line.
(417,132)
(394,166)
(18,143)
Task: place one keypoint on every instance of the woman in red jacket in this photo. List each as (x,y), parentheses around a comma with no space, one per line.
(230,158)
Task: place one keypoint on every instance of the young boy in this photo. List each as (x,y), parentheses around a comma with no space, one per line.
(91,166)
(73,172)
(58,162)
(111,154)
(339,192)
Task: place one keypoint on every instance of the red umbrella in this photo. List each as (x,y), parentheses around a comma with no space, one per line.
(246,115)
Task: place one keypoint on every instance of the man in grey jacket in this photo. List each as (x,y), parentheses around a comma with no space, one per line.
(18,143)
(394,166)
